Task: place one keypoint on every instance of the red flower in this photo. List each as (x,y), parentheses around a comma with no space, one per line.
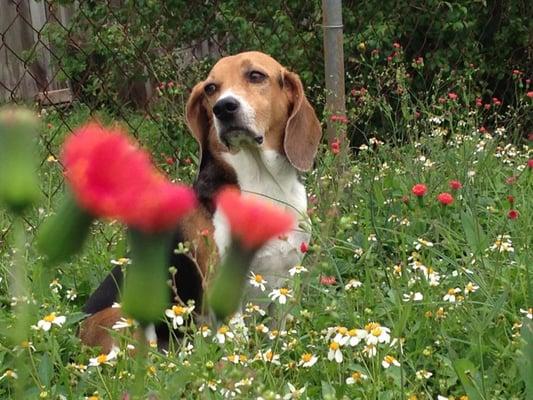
(453,96)
(419,189)
(253,221)
(455,185)
(445,198)
(327,280)
(530,94)
(513,214)
(304,247)
(479,102)
(487,106)
(339,118)
(336,146)
(530,163)
(482,129)
(112,178)
(510,199)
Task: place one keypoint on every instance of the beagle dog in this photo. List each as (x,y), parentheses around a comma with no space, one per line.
(256,130)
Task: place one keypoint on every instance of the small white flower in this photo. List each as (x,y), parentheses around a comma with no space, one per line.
(423,374)
(470,288)
(268,356)
(370,350)
(413,296)
(355,336)
(334,352)
(103,358)
(55,286)
(297,269)
(46,323)
(72,294)
(258,281)
(223,334)
(9,374)
(356,377)
(389,361)
(177,314)
(307,360)
(451,295)
(281,294)
(204,331)
(121,261)
(352,284)
(293,392)
(123,323)
(377,333)
(528,313)
(254,308)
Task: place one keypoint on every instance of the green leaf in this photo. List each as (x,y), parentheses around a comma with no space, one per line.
(466,371)
(475,236)
(328,391)
(46,369)
(525,361)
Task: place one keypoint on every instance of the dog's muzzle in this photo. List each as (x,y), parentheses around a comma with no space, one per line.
(232,127)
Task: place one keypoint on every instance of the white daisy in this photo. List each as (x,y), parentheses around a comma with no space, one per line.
(413,296)
(451,295)
(297,269)
(528,313)
(356,377)
(177,314)
(307,360)
(334,352)
(293,392)
(352,284)
(223,334)
(123,323)
(281,294)
(258,281)
(103,358)
(377,333)
(389,361)
(46,323)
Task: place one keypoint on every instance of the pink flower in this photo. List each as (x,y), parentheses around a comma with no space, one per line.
(112,178)
(445,198)
(419,189)
(455,184)
(335,146)
(510,199)
(339,118)
(479,102)
(530,94)
(304,247)
(453,96)
(327,280)
(252,221)
(513,214)
(530,163)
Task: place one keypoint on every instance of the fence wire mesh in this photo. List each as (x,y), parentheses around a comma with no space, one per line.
(135,60)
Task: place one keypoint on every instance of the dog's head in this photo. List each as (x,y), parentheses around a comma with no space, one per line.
(249,99)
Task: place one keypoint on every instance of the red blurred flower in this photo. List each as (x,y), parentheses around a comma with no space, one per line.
(169,160)
(455,184)
(336,146)
(252,221)
(419,189)
(530,163)
(496,101)
(511,180)
(510,199)
(339,118)
(396,45)
(112,178)
(513,214)
(487,106)
(479,102)
(304,247)
(530,94)
(327,280)
(482,129)
(405,199)
(453,96)
(445,198)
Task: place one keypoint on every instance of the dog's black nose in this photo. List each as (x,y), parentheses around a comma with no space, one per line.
(226,108)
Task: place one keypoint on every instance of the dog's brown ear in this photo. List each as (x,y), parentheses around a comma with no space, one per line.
(303,130)
(197,117)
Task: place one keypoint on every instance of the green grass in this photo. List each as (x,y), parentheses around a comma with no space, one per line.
(363,230)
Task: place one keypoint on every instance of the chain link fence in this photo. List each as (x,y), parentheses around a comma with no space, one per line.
(134,61)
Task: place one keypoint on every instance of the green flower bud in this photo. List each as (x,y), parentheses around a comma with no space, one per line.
(19,186)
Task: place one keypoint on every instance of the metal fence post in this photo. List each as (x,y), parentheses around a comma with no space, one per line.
(334,62)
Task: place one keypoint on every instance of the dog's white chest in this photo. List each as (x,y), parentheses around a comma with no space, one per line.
(269,176)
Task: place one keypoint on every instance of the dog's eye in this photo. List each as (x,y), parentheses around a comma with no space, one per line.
(210,89)
(256,76)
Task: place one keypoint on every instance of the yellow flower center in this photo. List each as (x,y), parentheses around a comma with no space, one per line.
(231,358)
(284,291)
(371,326)
(356,376)
(376,331)
(306,357)
(102,358)
(258,278)
(223,329)
(178,310)
(352,332)
(389,359)
(334,346)
(50,317)
(269,355)
(451,291)
(342,330)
